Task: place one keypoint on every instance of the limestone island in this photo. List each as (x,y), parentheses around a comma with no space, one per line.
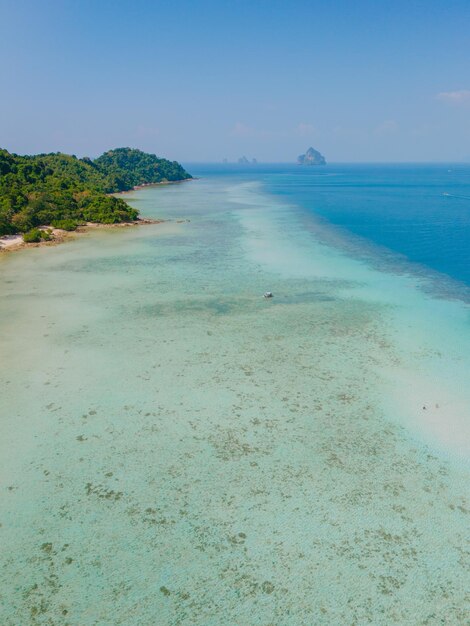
(244,161)
(311,157)
(44,196)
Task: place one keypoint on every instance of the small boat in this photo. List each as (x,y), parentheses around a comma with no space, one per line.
(268,294)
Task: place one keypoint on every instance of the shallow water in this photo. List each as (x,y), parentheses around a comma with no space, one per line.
(177,450)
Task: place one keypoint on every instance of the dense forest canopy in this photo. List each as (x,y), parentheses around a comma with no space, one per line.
(49,189)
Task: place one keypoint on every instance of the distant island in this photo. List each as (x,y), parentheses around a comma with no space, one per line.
(62,191)
(244,161)
(311,157)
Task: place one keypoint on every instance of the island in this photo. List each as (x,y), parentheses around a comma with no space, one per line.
(311,157)
(61,191)
(244,161)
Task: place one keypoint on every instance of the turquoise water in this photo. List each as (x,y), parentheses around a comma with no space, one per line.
(419,212)
(177,450)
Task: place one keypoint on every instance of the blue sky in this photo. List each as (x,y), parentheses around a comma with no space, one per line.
(204,80)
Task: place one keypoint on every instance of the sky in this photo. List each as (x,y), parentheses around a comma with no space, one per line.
(361,81)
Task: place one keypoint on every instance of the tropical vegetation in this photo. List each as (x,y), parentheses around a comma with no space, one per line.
(64,191)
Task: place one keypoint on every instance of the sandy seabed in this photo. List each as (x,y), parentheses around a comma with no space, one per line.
(178,450)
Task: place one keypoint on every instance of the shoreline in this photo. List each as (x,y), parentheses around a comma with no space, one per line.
(13,243)
(146,185)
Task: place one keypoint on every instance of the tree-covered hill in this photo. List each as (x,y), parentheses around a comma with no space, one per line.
(59,188)
(126,168)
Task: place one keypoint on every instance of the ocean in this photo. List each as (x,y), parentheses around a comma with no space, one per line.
(412,213)
(178,450)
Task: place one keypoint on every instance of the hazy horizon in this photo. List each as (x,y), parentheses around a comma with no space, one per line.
(200,82)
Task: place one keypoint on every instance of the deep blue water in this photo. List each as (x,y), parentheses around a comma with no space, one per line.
(420,211)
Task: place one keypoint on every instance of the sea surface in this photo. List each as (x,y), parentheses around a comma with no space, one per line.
(177,450)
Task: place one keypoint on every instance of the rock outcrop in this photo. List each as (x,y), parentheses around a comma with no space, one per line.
(311,157)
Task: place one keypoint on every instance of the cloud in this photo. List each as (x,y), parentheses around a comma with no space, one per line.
(242,130)
(388,127)
(305,130)
(455,97)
